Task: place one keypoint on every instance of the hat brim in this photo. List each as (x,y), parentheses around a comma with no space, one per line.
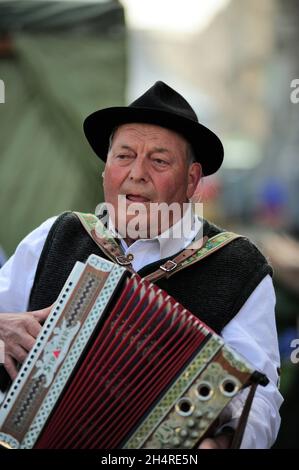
(208,149)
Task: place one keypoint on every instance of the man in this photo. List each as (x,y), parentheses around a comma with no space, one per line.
(156,152)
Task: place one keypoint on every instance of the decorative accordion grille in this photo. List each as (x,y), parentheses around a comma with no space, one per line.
(119,363)
(145,342)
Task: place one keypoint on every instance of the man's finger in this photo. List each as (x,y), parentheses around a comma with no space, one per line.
(10,367)
(19,353)
(27,342)
(222,441)
(33,327)
(42,315)
(208,444)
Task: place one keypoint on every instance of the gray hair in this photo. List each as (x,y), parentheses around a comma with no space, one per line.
(190,154)
(111,137)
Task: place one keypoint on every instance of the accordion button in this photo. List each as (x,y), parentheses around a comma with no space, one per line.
(198,414)
(194,434)
(190,423)
(176,441)
(203,423)
(188,444)
(184,432)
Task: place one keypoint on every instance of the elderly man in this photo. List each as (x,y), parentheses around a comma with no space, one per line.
(156,152)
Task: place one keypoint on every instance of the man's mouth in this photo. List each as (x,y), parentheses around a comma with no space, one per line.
(136,198)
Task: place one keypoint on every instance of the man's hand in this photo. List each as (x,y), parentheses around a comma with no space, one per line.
(222,441)
(18,331)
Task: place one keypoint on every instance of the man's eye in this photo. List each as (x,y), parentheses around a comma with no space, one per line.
(122,157)
(160,162)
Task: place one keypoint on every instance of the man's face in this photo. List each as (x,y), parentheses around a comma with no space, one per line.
(148,164)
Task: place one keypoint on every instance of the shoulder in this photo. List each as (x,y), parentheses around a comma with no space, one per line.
(64,219)
(241,254)
(65,225)
(67,235)
(69,219)
(34,241)
(41,231)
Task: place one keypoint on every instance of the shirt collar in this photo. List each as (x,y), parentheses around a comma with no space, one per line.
(174,239)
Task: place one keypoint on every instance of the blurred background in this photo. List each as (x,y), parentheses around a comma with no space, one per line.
(234,60)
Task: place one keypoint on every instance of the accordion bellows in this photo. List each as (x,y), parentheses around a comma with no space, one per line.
(119,363)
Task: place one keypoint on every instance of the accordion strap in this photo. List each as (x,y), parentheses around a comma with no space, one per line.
(239,432)
(192,254)
(104,239)
(195,252)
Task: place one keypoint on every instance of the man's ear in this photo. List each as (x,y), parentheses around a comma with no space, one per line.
(194,176)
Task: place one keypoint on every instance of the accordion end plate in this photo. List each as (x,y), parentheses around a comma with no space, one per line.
(5,445)
(8,442)
(192,415)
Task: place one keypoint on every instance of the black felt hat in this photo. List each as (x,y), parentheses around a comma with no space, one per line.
(162,106)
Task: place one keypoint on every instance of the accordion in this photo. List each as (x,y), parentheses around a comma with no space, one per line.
(120,364)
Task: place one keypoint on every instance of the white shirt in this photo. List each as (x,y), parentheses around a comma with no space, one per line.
(252,332)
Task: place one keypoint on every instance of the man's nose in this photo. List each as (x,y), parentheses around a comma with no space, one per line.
(138,169)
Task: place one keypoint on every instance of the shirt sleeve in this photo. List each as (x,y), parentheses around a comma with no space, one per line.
(17,274)
(252,333)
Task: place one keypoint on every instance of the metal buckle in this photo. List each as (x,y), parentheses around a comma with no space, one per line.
(168,266)
(124,260)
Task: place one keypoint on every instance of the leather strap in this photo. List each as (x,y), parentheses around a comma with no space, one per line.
(196,250)
(103,238)
(239,432)
(194,253)
(166,269)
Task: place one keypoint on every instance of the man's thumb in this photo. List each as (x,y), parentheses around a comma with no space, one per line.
(41,315)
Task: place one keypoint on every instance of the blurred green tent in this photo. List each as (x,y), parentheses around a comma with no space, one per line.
(59,61)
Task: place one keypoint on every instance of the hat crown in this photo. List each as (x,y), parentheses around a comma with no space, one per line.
(162,106)
(164,98)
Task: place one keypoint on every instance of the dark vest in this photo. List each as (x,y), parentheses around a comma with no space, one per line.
(213,289)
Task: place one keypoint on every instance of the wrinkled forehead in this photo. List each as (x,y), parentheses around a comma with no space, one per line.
(150,134)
